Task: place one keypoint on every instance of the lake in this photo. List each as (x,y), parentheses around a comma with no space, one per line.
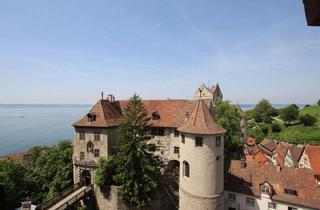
(23,126)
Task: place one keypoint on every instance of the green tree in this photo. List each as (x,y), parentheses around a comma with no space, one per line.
(289,114)
(276,128)
(318,102)
(308,120)
(265,129)
(264,111)
(229,118)
(137,169)
(105,172)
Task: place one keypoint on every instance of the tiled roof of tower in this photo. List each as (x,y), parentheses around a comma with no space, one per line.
(249,179)
(313,153)
(171,112)
(201,121)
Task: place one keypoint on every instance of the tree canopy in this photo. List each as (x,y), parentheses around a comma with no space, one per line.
(136,169)
(318,102)
(229,118)
(48,173)
(263,112)
(289,114)
(308,120)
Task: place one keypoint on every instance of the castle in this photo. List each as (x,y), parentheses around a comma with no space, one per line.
(184,131)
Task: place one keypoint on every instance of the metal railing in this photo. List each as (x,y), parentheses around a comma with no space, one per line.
(47,204)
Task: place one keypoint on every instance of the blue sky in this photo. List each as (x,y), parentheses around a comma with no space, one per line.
(69,51)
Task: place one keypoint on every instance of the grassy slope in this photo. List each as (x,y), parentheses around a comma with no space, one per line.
(297,134)
(300,134)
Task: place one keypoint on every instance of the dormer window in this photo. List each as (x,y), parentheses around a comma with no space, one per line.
(91,117)
(266,189)
(290,192)
(155,116)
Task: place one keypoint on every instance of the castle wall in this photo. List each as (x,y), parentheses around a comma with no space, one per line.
(188,201)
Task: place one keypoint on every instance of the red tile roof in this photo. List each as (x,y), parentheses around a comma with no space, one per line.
(259,157)
(249,179)
(107,114)
(313,153)
(201,121)
(296,153)
(171,112)
(251,141)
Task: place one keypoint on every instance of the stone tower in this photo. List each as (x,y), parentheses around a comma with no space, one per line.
(201,182)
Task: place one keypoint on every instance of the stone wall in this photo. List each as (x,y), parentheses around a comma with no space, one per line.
(108,200)
(191,202)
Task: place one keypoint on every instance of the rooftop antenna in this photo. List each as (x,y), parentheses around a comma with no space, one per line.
(101,94)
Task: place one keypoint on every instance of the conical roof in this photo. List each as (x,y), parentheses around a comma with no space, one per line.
(201,121)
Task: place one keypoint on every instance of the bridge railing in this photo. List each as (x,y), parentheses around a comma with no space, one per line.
(75,198)
(59,197)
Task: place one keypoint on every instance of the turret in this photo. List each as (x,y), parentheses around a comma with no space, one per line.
(201,183)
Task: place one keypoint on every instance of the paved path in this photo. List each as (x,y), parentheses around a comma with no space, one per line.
(68,198)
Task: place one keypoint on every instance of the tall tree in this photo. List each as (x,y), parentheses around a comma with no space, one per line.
(289,114)
(264,111)
(229,118)
(137,169)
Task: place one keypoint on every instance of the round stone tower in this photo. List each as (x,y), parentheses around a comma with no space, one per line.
(201,183)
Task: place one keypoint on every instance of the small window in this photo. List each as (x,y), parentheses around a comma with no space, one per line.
(176,133)
(97,136)
(81,155)
(292,208)
(82,136)
(183,138)
(199,141)
(176,150)
(186,169)
(218,141)
(218,157)
(265,189)
(272,206)
(91,117)
(155,116)
(250,201)
(96,152)
(290,192)
(231,197)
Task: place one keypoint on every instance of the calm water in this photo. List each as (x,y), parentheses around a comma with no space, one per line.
(24,126)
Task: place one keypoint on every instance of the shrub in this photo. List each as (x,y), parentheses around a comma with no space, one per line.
(307,105)
(318,102)
(308,120)
(265,129)
(275,127)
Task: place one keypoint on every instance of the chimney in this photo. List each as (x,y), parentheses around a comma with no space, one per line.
(186,116)
(278,168)
(111,98)
(102,95)
(243,164)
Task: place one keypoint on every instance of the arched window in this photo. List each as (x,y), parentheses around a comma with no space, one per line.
(186,169)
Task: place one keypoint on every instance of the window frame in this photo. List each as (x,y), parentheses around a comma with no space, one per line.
(176,150)
(218,139)
(95,152)
(95,135)
(84,136)
(272,206)
(183,139)
(251,199)
(186,169)
(176,133)
(199,141)
(82,155)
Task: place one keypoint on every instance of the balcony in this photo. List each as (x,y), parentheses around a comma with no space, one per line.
(88,163)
